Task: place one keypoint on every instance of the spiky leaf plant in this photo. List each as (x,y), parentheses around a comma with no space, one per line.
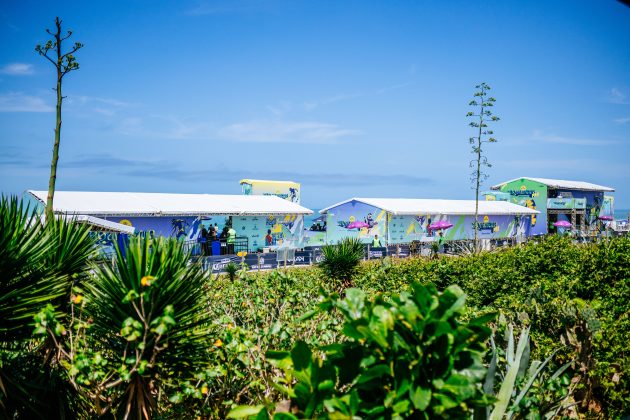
(149,309)
(38,266)
(25,284)
(341,260)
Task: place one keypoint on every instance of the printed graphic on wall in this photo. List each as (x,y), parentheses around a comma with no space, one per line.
(355,219)
(183,228)
(284,189)
(314,238)
(608,208)
(533,195)
(284,230)
(594,203)
(406,229)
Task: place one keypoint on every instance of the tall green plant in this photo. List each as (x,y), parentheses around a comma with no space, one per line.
(64,63)
(38,266)
(341,260)
(140,327)
(25,284)
(519,377)
(481,103)
(405,357)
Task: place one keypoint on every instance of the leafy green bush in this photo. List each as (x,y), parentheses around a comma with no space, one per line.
(341,260)
(575,296)
(404,356)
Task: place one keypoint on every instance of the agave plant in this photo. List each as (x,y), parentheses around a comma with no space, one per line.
(231,269)
(341,260)
(38,266)
(25,284)
(149,311)
(519,378)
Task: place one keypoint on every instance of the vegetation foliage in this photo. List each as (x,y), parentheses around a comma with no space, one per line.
(150,335)
(341,261)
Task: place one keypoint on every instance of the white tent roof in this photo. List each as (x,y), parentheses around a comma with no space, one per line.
(415,206)
(561,184)
(103,224)
(158,204)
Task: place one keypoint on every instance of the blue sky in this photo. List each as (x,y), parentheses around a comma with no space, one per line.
(352,98)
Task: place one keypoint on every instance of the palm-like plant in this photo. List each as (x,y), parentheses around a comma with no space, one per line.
(341,260)
(38,266)
(149,309)
(25,284)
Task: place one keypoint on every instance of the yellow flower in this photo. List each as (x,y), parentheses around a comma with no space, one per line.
(204,390)
(230,326)
(146,280)
(218,343)
(77,299)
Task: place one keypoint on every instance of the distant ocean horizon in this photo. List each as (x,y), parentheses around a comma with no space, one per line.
(621,213)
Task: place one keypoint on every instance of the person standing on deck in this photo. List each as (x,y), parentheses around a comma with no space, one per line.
(376,243)
(231,239)
(204,239)
(441,242)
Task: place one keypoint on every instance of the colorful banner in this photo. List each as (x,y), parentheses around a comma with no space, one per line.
(184,228)
(495,196)
(314,238)
(285,231)
(566,203)
(284,189)
(594,203)
(406,229)
(608,208)
(357,220)
(533,195)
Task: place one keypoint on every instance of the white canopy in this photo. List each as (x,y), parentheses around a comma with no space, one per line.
(561,184)
(158,204)
(415,206)
(103,224)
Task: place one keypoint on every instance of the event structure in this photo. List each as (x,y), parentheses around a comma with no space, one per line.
(402,220)
(182,215)
(581,204)
(287,190)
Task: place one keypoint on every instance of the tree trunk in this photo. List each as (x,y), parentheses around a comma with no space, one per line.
(55,156)
(477,199)
(478,183)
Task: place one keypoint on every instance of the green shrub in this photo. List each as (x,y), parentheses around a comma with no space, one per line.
(231,269)
(341,260)
(401,357)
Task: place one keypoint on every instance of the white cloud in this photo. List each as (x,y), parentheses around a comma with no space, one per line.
(86,99)
(552,138)
(104,111)
(265,131)
(623,120)
(17,69)
(311,105)
(281,108)
(616,96)
(19,102)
